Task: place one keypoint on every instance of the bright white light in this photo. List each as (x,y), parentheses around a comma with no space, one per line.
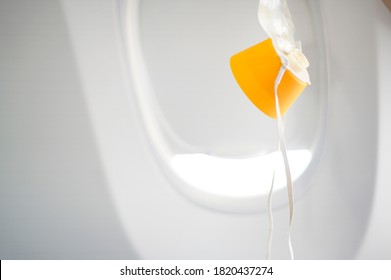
(241,177)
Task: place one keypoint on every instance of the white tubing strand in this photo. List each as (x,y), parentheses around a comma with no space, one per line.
(284,156)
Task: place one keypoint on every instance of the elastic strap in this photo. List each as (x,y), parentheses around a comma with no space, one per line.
(282,148)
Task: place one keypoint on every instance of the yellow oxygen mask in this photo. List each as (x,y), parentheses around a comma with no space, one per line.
(256,68)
